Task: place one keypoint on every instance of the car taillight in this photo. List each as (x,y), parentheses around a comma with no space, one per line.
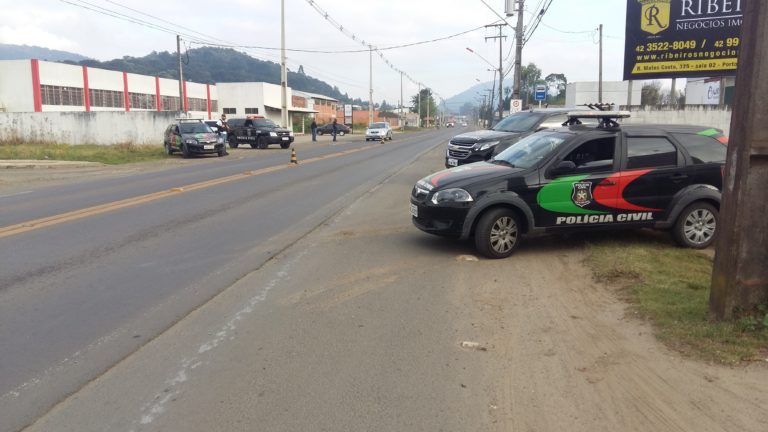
(723,140)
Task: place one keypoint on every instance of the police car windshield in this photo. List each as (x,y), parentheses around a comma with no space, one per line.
(263,122)
(193,128)
(530,150)
(519,122)
(377,126)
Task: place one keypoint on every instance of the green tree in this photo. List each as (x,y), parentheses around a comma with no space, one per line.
(558,82)
(529,76)
(650,94)
(427,104)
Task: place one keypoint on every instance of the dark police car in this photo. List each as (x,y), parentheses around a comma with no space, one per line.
(483,144)
(257,131)
(581,178)
(192,136)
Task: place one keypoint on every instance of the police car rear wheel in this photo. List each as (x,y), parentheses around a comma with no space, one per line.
(233,142)
(497,234)
(168,149)
(696,227)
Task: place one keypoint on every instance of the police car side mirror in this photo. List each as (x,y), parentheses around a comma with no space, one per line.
(564,167)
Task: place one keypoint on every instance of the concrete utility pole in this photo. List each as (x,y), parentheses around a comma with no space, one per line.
(429,103)
(629,95)
(402,126)
(283,70)
(740,274)
(370,84)
(518,50)
(600,74)
(673,93)
(418,110)
(181,74)
(501,67)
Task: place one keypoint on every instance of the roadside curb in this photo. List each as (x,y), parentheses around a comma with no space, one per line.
(46,164)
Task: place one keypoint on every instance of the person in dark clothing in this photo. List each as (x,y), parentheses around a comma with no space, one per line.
(335,128)
(313,127)
(224,131)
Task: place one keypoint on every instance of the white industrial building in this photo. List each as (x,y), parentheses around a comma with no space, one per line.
(615,92)
(706,91)
(258,98)
(41,86)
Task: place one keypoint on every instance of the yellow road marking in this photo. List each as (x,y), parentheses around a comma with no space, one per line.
(142,199)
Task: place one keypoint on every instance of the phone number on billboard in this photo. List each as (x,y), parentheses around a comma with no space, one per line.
(681,45)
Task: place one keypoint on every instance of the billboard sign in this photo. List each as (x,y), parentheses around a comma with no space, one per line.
(682,38)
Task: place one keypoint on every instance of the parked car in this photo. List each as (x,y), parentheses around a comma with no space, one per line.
(214,125)
(341,129)
(378,131)
(481,145)
(581,178)
(192,136)
(258,132)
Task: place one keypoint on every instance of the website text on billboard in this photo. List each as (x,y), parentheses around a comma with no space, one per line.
(682,38)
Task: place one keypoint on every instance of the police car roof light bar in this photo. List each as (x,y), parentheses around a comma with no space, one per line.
(607,118)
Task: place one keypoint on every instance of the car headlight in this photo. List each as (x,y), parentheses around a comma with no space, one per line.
(273,134)
(190,141)
(486,146)
(290,133)
(451,195)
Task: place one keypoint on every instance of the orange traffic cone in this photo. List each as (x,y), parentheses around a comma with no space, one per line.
(293,156)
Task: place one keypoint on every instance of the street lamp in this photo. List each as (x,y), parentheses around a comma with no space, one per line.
(483,58)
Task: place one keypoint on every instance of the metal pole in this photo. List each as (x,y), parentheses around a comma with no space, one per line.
(283,70)
(629,95)
(370,84)
(518,49)
(740,274)
(600,82)
(181,74)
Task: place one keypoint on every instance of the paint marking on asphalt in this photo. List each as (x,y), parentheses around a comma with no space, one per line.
(31,225)
(15,194)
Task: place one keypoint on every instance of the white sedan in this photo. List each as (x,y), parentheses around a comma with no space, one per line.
(379,131)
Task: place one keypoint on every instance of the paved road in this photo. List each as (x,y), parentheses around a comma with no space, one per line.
(78,296)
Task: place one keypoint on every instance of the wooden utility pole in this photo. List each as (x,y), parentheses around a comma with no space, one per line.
(740,275)
(181,74)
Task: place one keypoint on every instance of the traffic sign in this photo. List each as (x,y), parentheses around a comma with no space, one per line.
(515,106)
(541,92)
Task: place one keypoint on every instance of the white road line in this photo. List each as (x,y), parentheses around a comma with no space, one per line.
(15,193)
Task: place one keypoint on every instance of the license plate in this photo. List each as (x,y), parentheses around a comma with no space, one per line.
(453,162)
(285,138)
(414,211)
(208,147)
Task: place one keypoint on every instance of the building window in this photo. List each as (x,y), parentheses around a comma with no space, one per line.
(251,110)
(197,104)
(229,110)
(106,98)
(58,95)
(170,103)
(143,101)
(214,106)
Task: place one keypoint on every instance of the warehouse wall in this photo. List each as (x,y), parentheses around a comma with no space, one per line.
(101,127)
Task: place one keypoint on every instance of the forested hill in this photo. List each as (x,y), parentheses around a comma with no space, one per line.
(212,65)
(23,52)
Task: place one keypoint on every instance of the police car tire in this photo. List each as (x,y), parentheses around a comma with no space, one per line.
(493,220)
(285,145)
(683,221)
(233,142)
(341,133)
(319,132)
(185,151)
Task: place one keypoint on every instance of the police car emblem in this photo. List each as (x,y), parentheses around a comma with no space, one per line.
(582,193)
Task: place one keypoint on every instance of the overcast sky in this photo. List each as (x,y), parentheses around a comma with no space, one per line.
(445,66)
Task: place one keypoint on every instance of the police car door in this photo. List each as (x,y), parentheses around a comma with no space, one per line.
(584,194)
(653,171)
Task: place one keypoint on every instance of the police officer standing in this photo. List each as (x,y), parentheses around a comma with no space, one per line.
(335,128)
(313,128)
(224,131)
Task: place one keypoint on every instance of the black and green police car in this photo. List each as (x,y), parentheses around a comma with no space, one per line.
(579,177)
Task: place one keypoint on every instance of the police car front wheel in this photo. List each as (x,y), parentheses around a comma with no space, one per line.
(498,233)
